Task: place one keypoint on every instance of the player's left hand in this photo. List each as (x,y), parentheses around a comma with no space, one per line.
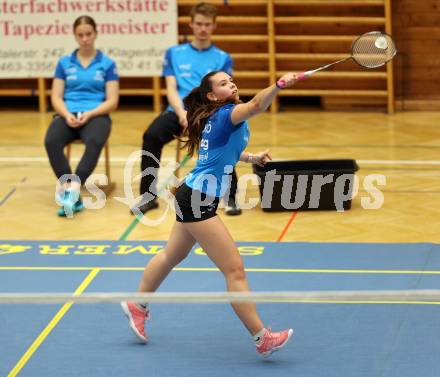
(261,158)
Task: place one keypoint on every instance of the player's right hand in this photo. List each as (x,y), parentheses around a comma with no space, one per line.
(289,79)
(182,119)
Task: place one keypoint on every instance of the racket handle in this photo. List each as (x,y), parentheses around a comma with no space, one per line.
(304,75)
(281,84)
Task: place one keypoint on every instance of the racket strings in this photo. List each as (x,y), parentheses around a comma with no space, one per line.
(373,49)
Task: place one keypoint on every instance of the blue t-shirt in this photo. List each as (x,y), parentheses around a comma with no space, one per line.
(189,65)
(84,88)
(220,148)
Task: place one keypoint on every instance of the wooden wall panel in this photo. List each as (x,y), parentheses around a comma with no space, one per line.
(415,24)
(416,28)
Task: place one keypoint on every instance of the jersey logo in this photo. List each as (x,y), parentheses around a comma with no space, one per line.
(204,144)
(208,127)
(99,76)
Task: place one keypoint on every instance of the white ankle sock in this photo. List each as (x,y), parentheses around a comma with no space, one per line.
(259,335)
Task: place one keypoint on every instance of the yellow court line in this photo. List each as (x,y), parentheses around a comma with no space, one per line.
(353,302)
(46,268)
(345,271)
(207,269)
(40,339)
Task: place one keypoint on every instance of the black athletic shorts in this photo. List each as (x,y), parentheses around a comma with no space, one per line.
(193,205)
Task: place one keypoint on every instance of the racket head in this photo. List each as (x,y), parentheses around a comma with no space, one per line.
(373,49)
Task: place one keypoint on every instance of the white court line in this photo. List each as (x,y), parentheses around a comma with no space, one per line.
(408,175)
(399,162)
(45,159)
(123,159)
(76,159)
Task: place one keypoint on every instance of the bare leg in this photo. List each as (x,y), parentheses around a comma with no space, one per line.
(156,270)
(177,248)
(218,244)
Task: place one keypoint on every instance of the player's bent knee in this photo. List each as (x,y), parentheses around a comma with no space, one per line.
(236,273)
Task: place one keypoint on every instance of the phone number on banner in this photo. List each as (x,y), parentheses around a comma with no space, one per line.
(126,66)
(45,68)
(42,67)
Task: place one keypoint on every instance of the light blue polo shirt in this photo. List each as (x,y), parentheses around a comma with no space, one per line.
(189,65)
(84,88)
(220,149)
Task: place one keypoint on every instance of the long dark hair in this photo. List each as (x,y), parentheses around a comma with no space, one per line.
(199,108)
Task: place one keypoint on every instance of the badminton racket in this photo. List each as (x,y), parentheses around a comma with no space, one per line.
(370,50)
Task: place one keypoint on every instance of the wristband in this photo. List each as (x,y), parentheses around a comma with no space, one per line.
(249,157)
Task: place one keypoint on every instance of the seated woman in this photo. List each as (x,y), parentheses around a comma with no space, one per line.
(85,90)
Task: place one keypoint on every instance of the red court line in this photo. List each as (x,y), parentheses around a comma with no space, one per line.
(287,226)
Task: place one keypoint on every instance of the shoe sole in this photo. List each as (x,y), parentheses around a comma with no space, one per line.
(131,322)
(270,352)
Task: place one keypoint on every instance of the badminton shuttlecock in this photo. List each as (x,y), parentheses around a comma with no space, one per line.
(381,43)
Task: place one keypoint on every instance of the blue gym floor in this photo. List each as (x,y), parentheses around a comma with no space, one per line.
(331,338)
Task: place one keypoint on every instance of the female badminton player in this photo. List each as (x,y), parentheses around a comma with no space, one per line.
(218,130)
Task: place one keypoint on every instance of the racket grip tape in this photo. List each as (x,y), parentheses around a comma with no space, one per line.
(281,84)
(301,76)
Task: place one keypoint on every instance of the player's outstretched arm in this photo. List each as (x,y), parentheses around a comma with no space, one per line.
(262,100)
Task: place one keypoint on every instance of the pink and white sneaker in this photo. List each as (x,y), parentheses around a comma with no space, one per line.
(273,341)
(136,318)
